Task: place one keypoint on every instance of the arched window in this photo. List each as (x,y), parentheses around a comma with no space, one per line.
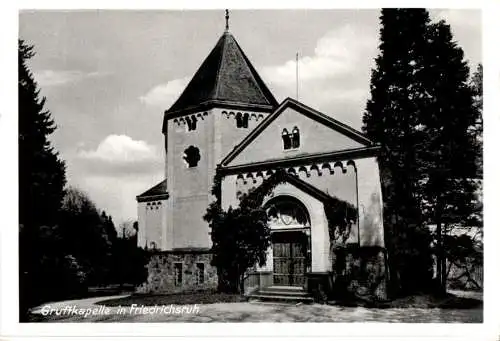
(287,143)
(245,120)
(285,210)
(295,137)
(191,122)
(239,120)
(192,156)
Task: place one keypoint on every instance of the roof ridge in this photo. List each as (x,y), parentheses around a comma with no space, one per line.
(218,76)
(253,74)
(347,130)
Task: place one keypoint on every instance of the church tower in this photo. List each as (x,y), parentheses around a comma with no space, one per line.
(225,99)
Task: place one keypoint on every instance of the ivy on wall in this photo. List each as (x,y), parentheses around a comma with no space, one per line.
(341,215)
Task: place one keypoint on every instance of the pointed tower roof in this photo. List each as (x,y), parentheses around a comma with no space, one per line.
(225,78)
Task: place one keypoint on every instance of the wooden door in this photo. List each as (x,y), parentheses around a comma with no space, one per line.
(289,250)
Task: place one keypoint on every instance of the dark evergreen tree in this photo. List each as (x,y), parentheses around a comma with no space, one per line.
(450,159)
(41,172)
(392,119)
(422,113)
(476,84)
(41,189)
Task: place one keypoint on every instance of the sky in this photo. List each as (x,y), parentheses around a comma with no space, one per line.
(109,75)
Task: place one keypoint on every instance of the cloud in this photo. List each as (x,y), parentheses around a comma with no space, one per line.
(119,156)
(47,78)
(116,171)
(470,19)
(335,78)
(120,149)
(336,53)
(164,95)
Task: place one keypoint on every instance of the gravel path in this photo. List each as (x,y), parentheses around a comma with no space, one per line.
(86,310)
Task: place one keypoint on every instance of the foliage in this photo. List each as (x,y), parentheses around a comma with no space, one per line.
(465,262)
(391,119)
(65,242)
(41,182)
(422,112)
(88,235)
(241,236)
(128,264)
(476,83)
(341,217)
(41,172)
(92,238)
(449,170)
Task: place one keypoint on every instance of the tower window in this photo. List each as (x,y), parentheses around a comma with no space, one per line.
(192,156)
(239,120)
(242,120)
(191,122)
(287,143)
(245,121)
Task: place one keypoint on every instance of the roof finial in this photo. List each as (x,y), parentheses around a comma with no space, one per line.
(227,20)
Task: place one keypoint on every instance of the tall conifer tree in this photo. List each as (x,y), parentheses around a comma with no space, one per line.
(41,188)
(41,172)
(422,113)
(391,119)
(450,158)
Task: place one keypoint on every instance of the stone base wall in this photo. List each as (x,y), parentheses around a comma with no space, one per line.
(319,285)
(359,271)
(161,273)
(256,280)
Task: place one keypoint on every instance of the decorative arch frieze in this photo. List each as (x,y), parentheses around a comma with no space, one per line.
(352,164)
(191,120)
(326,168)
(340,165)
(315,170)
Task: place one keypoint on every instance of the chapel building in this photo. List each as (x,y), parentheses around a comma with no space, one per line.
(227,122)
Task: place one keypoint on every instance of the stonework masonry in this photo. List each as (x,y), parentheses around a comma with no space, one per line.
(360,271)
(162,273)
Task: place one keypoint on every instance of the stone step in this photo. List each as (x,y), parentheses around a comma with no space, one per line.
(275,292)
(281,298)
(284,287)
(281,294)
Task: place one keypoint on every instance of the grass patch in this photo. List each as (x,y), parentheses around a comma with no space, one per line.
(425,301)
(200,297)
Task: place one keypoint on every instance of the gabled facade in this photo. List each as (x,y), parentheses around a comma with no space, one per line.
(228,121)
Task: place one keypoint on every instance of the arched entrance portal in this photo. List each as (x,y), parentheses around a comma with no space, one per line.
(290,228)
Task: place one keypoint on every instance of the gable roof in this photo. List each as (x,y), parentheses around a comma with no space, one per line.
(225,76)
(305,187)
(305,110)
(157,192)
